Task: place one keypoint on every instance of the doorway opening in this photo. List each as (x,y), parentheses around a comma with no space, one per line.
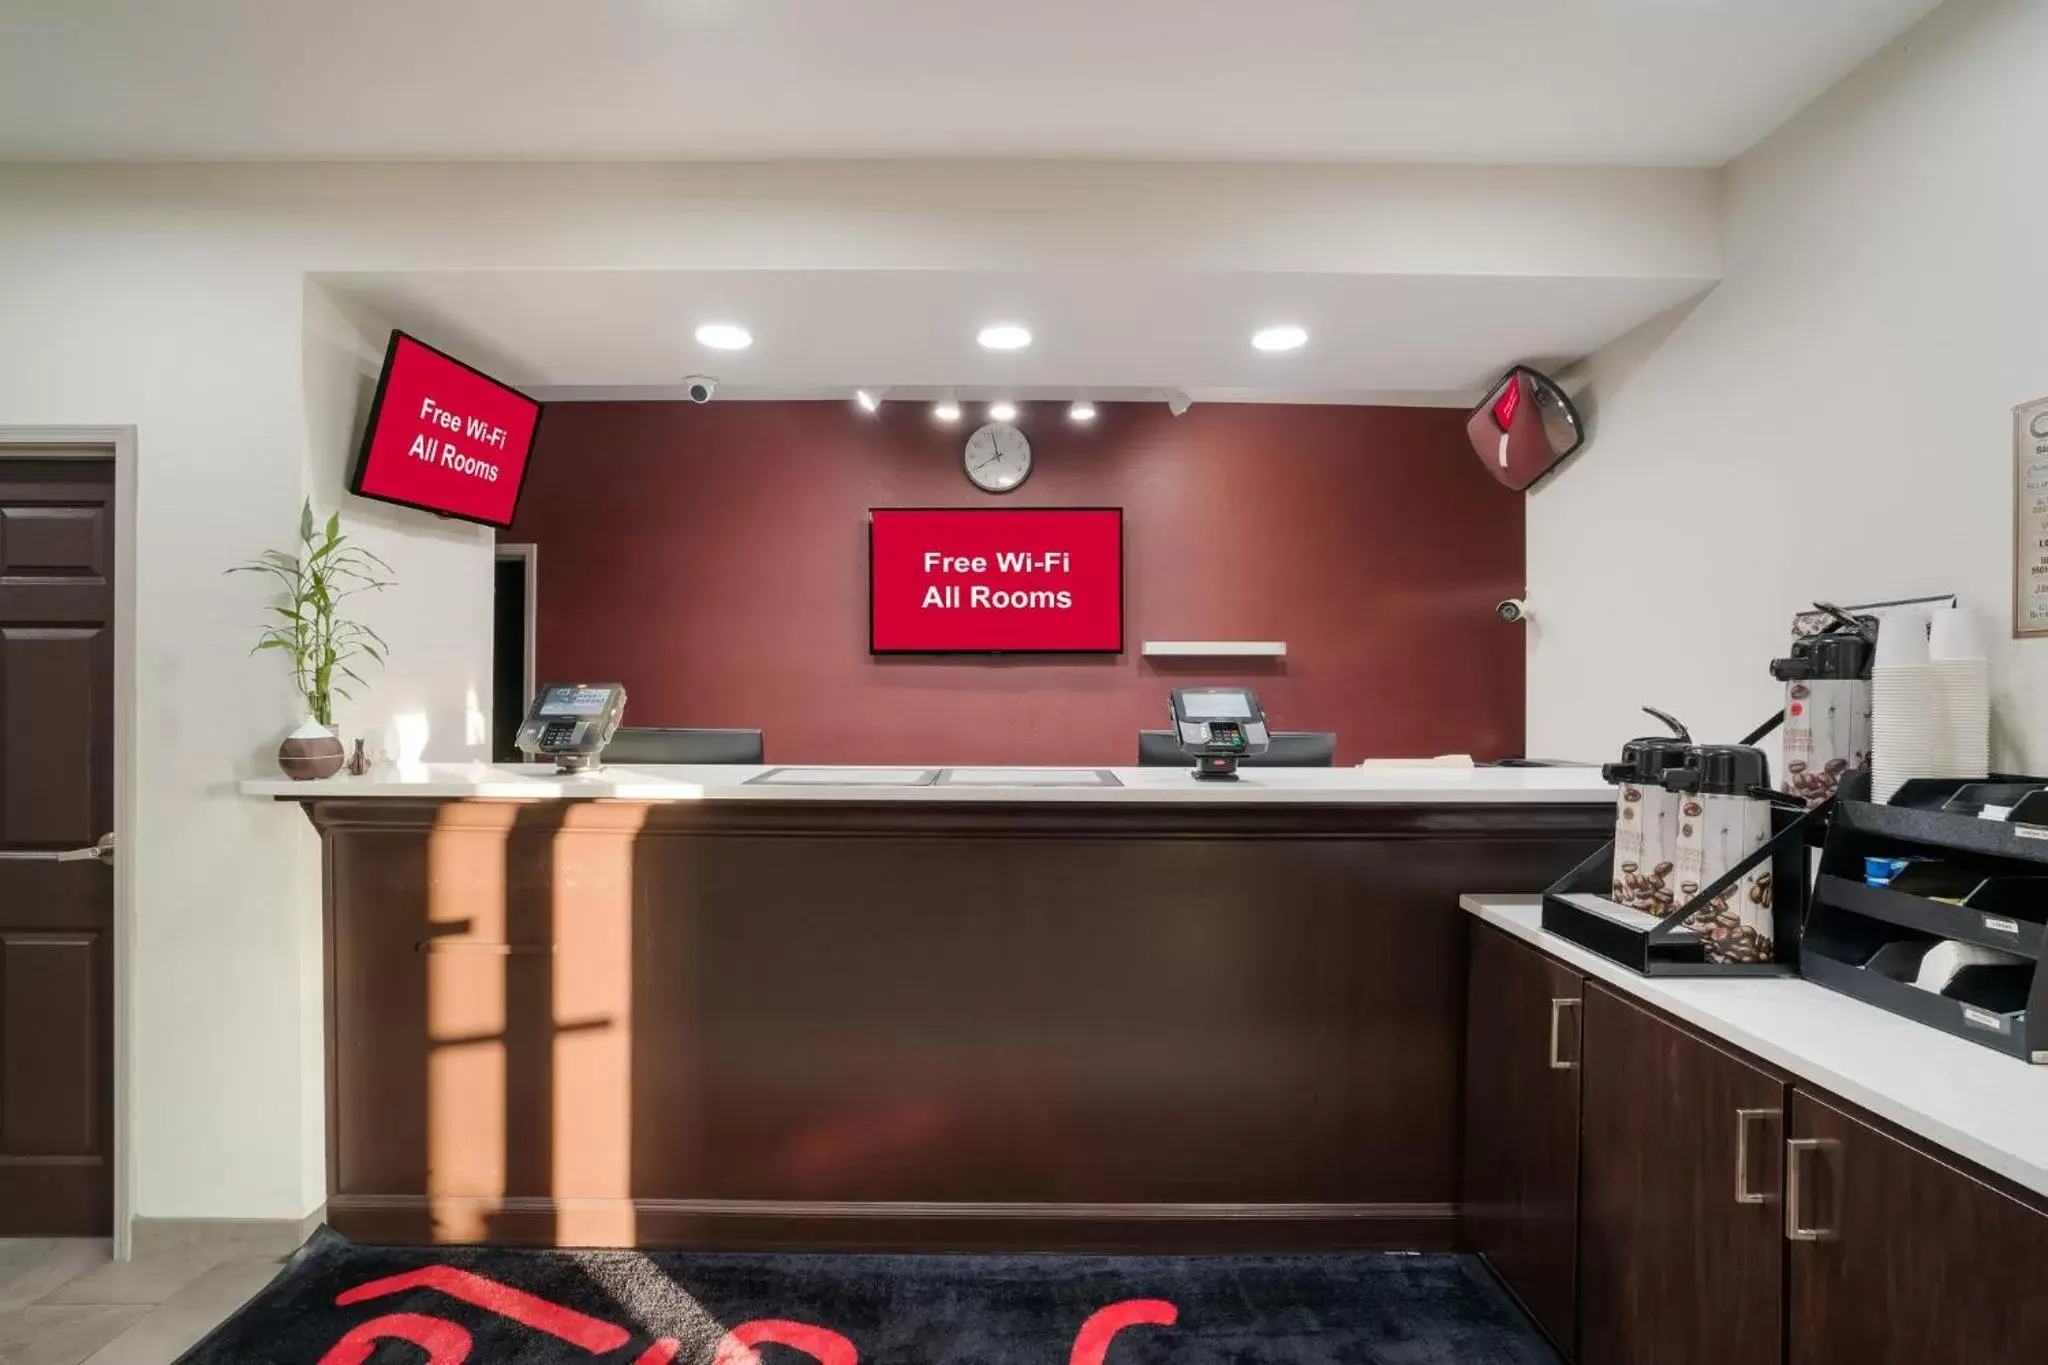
(512,641)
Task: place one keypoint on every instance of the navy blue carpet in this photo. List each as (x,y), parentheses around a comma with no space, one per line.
(338,1303)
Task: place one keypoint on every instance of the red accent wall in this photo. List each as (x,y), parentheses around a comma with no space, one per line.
(713,559)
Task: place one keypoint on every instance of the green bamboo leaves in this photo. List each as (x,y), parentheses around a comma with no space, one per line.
(314,581)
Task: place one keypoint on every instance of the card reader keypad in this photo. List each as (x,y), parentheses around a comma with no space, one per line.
(559,734)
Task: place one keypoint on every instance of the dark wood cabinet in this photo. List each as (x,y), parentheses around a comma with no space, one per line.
(1681,1247)
(1521,1158)
(1898,1258)
(1656,1198)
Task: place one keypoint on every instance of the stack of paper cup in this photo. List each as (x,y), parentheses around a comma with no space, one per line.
(1962,686)
(1906,729)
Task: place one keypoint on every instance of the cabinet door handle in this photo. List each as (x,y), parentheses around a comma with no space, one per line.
(1557,1009)
(1743,1119)
(1795,1231)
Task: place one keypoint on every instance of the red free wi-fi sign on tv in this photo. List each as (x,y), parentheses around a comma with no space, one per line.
(445,437)
(996,580)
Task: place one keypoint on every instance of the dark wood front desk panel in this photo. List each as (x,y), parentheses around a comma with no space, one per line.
(829,1025)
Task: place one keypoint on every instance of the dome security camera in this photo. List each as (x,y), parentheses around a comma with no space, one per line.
(700,387)
(1515,609)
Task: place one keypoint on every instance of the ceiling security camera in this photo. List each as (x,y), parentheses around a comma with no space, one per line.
(700,387)
(1514,609)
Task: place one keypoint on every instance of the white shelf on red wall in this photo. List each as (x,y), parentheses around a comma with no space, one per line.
(1216,649)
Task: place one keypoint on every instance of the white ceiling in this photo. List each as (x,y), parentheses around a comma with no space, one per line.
(1373,338)
(1635,82)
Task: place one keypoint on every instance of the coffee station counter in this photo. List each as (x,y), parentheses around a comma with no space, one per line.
(1985,1108)
(687,1007)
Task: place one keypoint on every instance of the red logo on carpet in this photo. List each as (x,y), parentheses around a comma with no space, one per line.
(448,1343)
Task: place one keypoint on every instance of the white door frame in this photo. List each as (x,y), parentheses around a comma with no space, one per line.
(23,442)
(531,555)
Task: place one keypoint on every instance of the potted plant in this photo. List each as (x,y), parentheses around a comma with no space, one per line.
(325,571)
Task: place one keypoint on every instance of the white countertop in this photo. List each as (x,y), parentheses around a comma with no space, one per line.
(1145,786)
(1982,1105)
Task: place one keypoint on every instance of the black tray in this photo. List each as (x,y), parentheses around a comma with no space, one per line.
(2005,1033)
(1941,829)
(1848,920)
(1668,948)
(1966,922)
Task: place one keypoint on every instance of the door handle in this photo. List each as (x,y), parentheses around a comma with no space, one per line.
(1795,1231)
(101,852)
(1743,1119)
(1557,1009)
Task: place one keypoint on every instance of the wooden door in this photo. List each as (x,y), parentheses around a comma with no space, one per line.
(1519,1205)
(1681,1250)
(56,796)
(1898,1258)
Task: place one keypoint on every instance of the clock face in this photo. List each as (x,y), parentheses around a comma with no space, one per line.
(998,457)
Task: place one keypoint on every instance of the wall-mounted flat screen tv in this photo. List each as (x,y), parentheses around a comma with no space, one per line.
(1026,580)
(445,437)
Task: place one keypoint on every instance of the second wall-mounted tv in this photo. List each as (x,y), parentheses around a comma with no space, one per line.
(445,437)
(998,580)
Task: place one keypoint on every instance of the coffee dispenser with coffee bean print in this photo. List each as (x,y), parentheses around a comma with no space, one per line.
(1827,705)
(1724,816)
(1646,818)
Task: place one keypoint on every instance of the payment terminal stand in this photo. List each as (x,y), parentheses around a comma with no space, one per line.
(1218,726)
(571,723)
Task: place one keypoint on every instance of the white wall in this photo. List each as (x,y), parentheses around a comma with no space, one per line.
(194,303)
(201,353)
(1833,420)
(439,639)
(435,620)
(244,392)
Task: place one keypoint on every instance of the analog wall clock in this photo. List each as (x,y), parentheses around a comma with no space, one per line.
(997,458)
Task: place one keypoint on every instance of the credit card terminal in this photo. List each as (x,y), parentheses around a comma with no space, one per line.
(1217,726)
(571,723)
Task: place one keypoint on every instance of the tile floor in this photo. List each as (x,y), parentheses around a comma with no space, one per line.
(65,1302)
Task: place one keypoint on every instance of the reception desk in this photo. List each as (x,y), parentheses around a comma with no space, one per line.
(685,1007)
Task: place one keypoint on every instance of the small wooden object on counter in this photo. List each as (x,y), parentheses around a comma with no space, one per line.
(310,752)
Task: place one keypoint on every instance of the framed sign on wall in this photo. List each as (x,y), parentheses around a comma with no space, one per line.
(2030,519)
(1026,580)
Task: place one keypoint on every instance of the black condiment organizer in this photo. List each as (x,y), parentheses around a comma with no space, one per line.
(1668,948)
(2004,864)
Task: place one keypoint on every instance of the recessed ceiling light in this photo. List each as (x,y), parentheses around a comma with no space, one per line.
(724,336)
(1002,412)
(1004,336)
(870,400)
(946,410)
(1081,411)
(1284,337)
